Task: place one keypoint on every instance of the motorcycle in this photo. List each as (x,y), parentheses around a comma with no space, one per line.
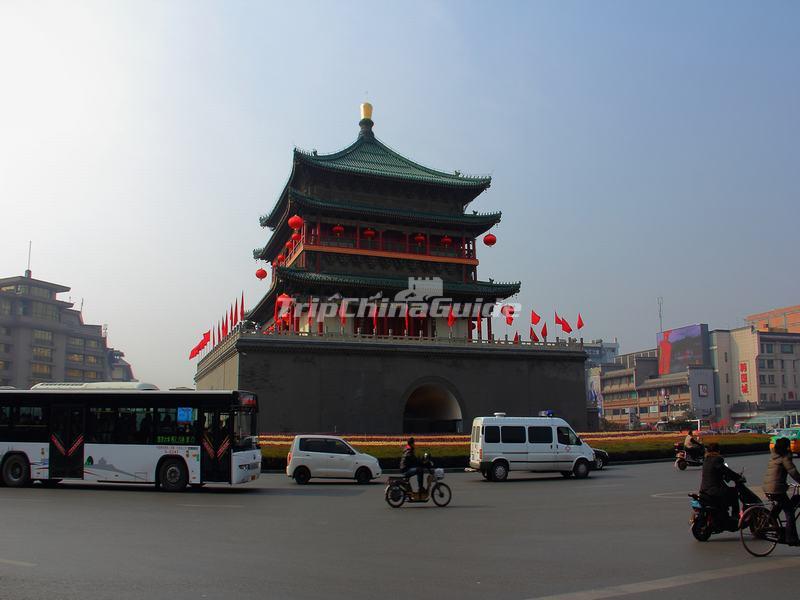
(685,459)
(707,518)
(398,489)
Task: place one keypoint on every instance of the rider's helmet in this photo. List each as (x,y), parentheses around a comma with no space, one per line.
(410,442)
(426,457)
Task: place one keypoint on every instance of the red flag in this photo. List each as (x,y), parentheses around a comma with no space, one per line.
(451,318)
(310,317)
(241,309)
(535,318)
(558,319)
(236,312)
(219,333)
(516,337)
(202,344)
(213,337)
(509,319)
(565,326)
(580,321)
(194,352)
(343,314)
(233,318)
(225,326)
(206,339)
(544,331)
(375,318)
(534,337)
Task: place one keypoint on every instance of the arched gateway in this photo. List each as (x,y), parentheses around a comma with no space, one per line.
(432,408)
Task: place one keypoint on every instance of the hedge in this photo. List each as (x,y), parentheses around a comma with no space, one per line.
(455,453)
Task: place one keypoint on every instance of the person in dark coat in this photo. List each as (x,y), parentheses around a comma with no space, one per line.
(410,465)
(713,486)
(775,486)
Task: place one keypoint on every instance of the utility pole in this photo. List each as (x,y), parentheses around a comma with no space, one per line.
(661,314)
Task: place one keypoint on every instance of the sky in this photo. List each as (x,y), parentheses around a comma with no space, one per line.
(638,149)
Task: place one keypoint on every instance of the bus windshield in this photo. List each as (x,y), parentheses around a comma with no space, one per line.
(244,429)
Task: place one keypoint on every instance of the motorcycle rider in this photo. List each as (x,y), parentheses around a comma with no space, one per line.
(775,487)
(693,446)
(713,487)
(410,465)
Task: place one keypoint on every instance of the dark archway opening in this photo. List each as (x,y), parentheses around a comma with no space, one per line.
(432,408)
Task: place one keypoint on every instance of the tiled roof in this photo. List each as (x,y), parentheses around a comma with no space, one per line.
(369,156)
(482,221)
(486,289)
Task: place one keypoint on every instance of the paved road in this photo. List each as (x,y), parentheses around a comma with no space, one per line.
(531,537)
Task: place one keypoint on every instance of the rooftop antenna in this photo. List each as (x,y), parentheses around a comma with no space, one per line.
(28,270)
(661,314)
(81,308)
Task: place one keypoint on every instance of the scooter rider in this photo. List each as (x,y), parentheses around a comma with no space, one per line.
(693,446)
(775,486)
(410,465)
(713,487)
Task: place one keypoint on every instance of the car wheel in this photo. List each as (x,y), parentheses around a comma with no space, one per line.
(302,475)
(16,471)
(581,469)
(363,476)
(173,475)
(499,471)
(599,462)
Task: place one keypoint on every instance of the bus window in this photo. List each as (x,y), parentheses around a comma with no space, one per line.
(172,430)
(5,417)
(100,425)
(29,424)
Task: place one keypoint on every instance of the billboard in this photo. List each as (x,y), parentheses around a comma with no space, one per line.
(682,347)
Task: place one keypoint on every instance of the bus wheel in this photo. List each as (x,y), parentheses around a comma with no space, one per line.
(173,475)
(16,471)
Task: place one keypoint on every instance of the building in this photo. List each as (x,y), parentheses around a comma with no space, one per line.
(408,346)
(756,373)
(786,319)
(43,338)
(673,381)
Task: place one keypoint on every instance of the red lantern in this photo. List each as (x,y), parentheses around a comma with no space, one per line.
(280,258)
(507,311)
(490,239)
(419,238)
(288,245)
(296,237)
(446,241)
(295,222)
(368,233)
(261,273)
(337,230)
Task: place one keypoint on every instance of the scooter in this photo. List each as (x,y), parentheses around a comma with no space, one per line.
(685,459)
(398,489)
(708,519)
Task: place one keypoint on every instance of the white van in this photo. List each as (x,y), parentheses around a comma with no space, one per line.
(500,444)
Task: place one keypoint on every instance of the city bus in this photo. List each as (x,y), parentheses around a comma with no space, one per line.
(87,432)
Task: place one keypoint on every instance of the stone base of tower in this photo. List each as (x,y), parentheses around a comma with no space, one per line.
(389,386)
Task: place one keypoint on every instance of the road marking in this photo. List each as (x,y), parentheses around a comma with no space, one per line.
(657,585)
(672,495)
(16,563)
(212,505)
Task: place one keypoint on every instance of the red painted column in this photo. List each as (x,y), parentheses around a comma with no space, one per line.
(489,328)
(358,236)
(319,236)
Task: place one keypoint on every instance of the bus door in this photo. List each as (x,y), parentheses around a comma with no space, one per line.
(215,464)
(66,441)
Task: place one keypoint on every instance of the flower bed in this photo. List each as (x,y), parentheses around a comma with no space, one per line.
(453,450)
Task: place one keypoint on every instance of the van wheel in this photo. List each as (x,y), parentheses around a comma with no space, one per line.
(173,475)
(581,469)
(499,471)
(16,471)
(363,476)
(302,475)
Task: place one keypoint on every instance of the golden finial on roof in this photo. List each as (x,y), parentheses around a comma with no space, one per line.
(366,110)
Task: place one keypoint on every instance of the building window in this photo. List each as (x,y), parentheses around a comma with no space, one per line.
(771,379)
(783,379)
(45,311)
(4,365)
(762,397)
(769,348)
(76,358)
(42,370)
(5,331)
(40,353)
(787,349)
(75,341)
(762,364)
(91,360)
(73,373)
(5,348)
(762,379)
(41,293)
(770,364)
(91,375)
(726,357)
(726,378)
(41,336)
(5,307)
(92,344)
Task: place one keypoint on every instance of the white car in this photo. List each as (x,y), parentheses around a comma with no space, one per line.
(325,456)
